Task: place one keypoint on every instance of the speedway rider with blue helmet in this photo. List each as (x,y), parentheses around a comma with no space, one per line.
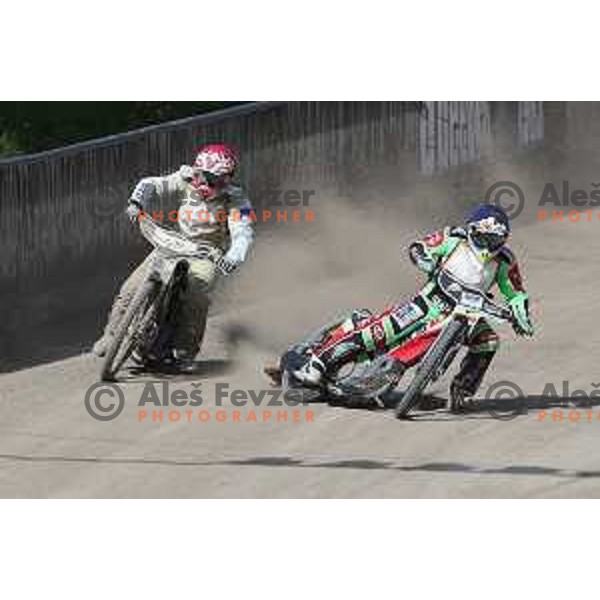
(475,255)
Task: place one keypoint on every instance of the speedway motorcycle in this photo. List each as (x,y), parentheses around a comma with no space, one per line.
(147,325)
(428,344)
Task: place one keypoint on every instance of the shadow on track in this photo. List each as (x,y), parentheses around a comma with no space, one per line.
(307,463)
(202,368)
(434,408)
(541,407)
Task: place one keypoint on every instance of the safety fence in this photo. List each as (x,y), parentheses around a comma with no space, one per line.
(65,245)
(62,210)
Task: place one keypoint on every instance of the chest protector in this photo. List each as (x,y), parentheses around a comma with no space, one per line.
(466,266)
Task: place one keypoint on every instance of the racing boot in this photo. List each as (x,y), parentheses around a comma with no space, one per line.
(168,363)
(275,373)
(311,374)
(465,384)
(459,401)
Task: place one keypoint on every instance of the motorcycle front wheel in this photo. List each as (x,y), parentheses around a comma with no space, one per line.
(128,329)
(429,366)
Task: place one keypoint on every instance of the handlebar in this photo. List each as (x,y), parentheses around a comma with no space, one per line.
(455,290)
(497,310)
(173,243)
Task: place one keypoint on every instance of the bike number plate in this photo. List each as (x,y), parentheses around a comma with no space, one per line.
(406,315)
(470,300)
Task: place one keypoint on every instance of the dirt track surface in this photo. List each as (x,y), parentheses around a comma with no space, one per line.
(51,447)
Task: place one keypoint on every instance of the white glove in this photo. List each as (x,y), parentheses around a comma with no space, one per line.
(242,236)
(133,212)
(188,173)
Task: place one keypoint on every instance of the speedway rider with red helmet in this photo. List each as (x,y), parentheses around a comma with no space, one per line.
(476,256)
(211,208)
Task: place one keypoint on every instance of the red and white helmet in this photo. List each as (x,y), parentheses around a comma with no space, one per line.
(217,159)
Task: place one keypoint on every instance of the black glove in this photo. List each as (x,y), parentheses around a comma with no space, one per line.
(421,259)
(227,266)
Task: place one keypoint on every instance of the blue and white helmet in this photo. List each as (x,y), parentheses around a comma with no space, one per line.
(488,228)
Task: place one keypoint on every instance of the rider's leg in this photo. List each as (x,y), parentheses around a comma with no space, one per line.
(343,351)
(195,302)
(120,304)
(482,346)
(275,370)
(375,335)
(349,345)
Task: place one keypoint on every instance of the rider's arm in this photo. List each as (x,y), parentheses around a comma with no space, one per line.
(241,225)
(150,191)
(510,284)
(426,253)
(508,275)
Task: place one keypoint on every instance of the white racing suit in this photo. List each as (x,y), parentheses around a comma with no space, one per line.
(224,221)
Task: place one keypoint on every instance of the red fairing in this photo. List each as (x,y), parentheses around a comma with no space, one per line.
(413,350)
(334,337)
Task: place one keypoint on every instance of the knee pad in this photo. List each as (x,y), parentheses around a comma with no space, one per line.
(483,341)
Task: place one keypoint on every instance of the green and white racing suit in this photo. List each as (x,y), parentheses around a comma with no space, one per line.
(373,335)
(451,251)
